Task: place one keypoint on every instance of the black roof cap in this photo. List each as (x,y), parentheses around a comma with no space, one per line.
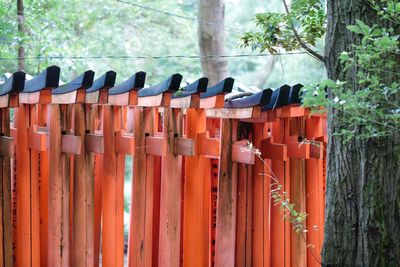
(13,84)
(49,78)
(107,80)
(84,80)
(135,82)
(199,86)
(223,87)
(171,85)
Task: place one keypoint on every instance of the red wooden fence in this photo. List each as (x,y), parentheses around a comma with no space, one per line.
(200,197)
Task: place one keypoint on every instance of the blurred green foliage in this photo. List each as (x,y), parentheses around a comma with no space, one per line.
(111,28)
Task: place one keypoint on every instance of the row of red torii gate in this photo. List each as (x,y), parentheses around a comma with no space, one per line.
(200,194)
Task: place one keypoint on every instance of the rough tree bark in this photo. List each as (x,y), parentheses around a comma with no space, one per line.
(363,179)
(212,39)
(21,30)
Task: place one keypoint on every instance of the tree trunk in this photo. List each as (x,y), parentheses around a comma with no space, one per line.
(212,39)
(21,30)
(363,177)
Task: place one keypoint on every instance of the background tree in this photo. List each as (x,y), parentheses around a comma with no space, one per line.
(212,39)
(362,61)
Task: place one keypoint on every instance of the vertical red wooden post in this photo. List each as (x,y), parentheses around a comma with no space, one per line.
(43,173)
(277,222)
(98,182)
(113,188)
(83,190)
(227,194)
(6,232)
(59,186)
(141,231)
(314,176)
(170,204)
(196,237)
(298,253)
(261,204)
(24,234)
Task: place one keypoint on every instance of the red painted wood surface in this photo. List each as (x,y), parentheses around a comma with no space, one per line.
(83,191)
(113,192)
(59,186)
(170,195)
(6,233)
(140,239)
(227,197)
(196,236)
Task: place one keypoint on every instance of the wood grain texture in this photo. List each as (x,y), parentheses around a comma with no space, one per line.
(112,189)
(170,203)
(83,191)
(24,234)
(227,197)
(6,234)
(59,187)
(140,249)
(196,232)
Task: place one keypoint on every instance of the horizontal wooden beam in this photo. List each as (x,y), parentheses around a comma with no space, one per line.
(71,144)
(124,143)
(265,116)
(292,112)
(37,140)
(212,102)
(234,113)
(156,145)
(7,147)
(209,147)
(94,143)
(295,149)
(190,101)
(161,100)
(184,146)
(241,153)
(273,151)
(125,99)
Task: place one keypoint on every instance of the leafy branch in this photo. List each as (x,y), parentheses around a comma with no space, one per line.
(280,198)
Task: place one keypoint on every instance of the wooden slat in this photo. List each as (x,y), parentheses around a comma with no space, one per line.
(112,234)
(140,250)
(196,197)
(227,197)
(43,174)
(298,249)
(59,186)
(190,101)
(35,195)
(98,182)
(209,147)
(277,222)
(24,234)
(315,195)
(6,232)
(170,198)
(83,194)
